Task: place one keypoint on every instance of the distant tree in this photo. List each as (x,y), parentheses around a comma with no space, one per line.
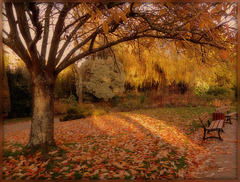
(65,83)
(42,35)
(103,78)
(79,71)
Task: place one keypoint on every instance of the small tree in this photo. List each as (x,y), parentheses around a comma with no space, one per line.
(103,78)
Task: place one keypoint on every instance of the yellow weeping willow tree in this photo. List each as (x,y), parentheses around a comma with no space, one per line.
(149,61)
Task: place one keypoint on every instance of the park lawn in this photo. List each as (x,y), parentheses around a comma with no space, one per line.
(141,144)
(20,120)
(16,120)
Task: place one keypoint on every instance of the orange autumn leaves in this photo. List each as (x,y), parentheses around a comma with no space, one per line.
(131,145)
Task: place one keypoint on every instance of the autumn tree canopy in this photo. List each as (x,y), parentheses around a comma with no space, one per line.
(44,36)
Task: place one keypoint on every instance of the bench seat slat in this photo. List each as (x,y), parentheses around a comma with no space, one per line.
(217,124)
(221,124)
(213,124)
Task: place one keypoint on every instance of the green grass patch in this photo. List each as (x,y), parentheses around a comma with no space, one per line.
(8,153)
(78,175)
(70,144)
(180,163)
(16,120)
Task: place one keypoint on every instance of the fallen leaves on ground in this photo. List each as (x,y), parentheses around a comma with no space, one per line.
(144,144)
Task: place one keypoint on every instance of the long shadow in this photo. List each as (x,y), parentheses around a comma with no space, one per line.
(109,125)
(181,138)
(138,125)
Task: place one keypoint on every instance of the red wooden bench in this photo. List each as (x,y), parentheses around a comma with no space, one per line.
(216,125)
(228,115)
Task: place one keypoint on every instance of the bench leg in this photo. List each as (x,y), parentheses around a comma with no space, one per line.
(219,136)
(229,120)
(204,134)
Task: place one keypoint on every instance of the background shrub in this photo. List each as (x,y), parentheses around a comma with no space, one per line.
(72,111)
(20,93)
(83,111)
(235,89)
(98,112)
(201,89)
(216,91)
(61,107)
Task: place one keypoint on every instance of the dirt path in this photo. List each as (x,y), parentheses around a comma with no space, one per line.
(224,164)
(9,128)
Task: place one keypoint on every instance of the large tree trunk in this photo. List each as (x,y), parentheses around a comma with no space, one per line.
(42,128)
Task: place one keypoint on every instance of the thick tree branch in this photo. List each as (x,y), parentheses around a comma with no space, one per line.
(14,41)
(74,22)
(46,34)
(23,55)
(23,22)
(68,56)
(56,36)
(36,23)
(92,37)
(92,41)
(25,32)
(70,38)
(65,64)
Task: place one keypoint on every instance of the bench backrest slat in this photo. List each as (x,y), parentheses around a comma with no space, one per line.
(204,118)
(222,109)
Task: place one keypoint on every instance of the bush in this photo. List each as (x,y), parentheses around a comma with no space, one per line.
(72,117)
(208,98)
(72,114)
(98,112)
(133,104)
(72,111)
(71,100)
(142,98)
(201,89)
(82,112)
(216,91)
(61,107)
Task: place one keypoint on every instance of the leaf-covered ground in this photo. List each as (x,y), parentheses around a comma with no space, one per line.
(146,144)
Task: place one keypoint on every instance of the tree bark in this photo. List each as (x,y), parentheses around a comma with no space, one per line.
(79,83)
(80,89)
(42,127)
